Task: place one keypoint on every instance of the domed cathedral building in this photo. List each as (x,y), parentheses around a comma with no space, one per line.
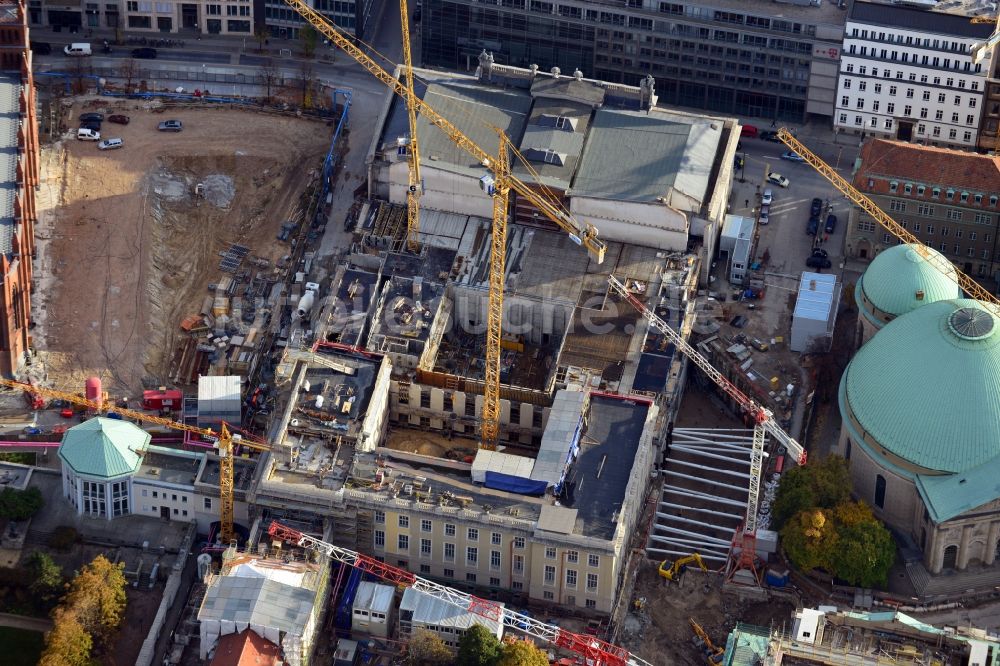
(899,280)
(920,405)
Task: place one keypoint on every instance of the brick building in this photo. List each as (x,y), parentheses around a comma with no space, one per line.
(948,199)
(18,180)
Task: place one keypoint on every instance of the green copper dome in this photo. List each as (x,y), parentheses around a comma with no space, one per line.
(899,276)
(104,448)
(927,386)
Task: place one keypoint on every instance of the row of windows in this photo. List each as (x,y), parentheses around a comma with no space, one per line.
(471,577)
(925,95)
(923,78)
(904,57)
(910,40)
(949,195)
(156,509)
(845,101)
(472,552)
(920,131)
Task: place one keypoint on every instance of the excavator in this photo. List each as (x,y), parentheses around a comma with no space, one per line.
(672,570)
(713,653)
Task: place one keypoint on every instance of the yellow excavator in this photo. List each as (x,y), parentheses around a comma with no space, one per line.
(673,570)
(712,652)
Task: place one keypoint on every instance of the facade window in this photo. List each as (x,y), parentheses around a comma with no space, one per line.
(983,218)
(897,206)
(893,186)
(909,93)
(496,538)
(548,595)
(495,559)
(847,84)
(449,529)
(972,235)
(858,120)
(570,578)
(954,117)
(519,542)
(591,583)
(923,112)
(907,110)
(845,101)
(941,98)
(916,227)
(925,210)
(404,521)
(936,131)
(949,194)
(518,564)
(403,543)
(890,108)
(473,534)
(953,214)
(593,560)
(472,556)
(426,525)
(380,517)
(920,190)
(888,123)
(550,574)
(862,86)
(860,104)
(952,133)
(908,188)
(892,91)
(969,119)
(208,502)
(591,603)
(930,229)
(939,115)
(494,582)
(470,577)
(449,552)
(425,548)
(425,569)
(517,585)
(449,573)
(963,197)
(379,539)
(550,553)
(572,556)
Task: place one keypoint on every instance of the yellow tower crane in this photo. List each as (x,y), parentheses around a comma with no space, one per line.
(415,185)
(972,288)
(224,439)
(542,198)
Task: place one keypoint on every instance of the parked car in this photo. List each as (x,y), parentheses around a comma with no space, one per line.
(749,131)
(92,117)
(111,144)
(813,227)
(765,214)
(41,48)
(77,49)
(770,136)
(816,207)
(831,223)
(777,179)
(170,126)
(818,262)
(819,252)
(91,125)
(767,197)
(792,156)
(119,119)
(144,53)
(87,134)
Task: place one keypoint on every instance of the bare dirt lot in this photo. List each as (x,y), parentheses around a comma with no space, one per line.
(132,246)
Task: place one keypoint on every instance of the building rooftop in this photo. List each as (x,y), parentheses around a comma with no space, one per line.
(104,448)
(405,313)
(246,648)
(354,295)
(926,388)
(243,469)
(596,483)
(472,108)
(635,156)
(428,610)
(338,397)
(900,280)
(815,299)
(884,162)
(170,465)
(10,121)
(258,602)
(553,139)
(943,18)
(375,597)
(949,495)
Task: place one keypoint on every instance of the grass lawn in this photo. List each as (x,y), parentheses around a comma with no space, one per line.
(20,646)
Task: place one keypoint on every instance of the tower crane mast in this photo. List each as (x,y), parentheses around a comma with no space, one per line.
(503,183)
(966,283)
(224,439)
(597,652)
(415,188)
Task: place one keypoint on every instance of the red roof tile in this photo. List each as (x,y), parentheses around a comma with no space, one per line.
(882,161)
(246,648)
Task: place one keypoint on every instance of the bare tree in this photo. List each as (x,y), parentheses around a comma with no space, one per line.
(270,76)
(306,80)
(261,34)
(129,70)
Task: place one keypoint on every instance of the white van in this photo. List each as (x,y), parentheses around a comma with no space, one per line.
(111,144)
(84,134)
(78,49)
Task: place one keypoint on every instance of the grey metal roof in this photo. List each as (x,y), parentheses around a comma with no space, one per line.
(10,120)
(635,156)
(428,610)
(475,111)
(258,602)
(937,22)
(816,294)
(558,438)
(374,597)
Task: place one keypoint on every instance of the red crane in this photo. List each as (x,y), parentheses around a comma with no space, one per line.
(595,650)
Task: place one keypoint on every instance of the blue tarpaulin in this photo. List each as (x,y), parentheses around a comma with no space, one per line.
(514,484)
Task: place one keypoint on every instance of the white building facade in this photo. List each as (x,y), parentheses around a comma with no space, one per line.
(908,74)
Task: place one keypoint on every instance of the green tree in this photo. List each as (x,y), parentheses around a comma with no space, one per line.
(46,575)
(478,647)
(67,643)
(809,539)
(309,38)
(97,596)
(522,653)
(865,549)
(426,649)
(20,504)
(821,484)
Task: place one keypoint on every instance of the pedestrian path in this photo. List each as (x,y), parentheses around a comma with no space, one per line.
(40,624)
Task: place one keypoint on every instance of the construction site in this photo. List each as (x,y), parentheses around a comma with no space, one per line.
(146,250)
